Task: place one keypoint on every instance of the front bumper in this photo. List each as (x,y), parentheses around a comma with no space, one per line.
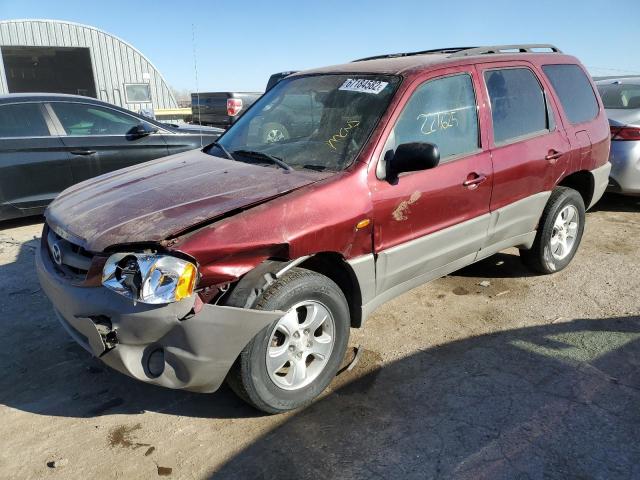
(198,349)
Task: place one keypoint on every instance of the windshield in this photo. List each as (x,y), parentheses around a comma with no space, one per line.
(620,96)
(317,122)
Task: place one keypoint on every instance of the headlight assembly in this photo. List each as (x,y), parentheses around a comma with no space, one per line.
(149,278)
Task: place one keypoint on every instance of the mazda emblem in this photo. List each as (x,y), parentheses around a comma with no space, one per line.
(56,253)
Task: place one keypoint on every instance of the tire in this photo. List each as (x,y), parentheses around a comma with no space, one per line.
(274,132)
(549,253)
(268,389)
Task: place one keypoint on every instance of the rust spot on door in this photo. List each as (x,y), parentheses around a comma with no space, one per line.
(401,211)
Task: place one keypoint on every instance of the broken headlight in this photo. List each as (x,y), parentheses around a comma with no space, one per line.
(149,278)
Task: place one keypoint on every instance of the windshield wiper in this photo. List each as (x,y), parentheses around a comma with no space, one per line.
(224,150)
(266,156)
(317,168)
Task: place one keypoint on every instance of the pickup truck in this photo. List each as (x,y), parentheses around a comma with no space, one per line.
(220,109)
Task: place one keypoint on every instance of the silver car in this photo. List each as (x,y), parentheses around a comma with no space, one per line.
(621,98)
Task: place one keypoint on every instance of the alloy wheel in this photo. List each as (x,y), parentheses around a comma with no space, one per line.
(300,345)
(565,231)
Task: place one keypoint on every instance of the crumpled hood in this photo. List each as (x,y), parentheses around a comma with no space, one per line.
(152,201)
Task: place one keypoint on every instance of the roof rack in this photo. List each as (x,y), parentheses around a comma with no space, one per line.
(410,54)
(523,48)
(468,51)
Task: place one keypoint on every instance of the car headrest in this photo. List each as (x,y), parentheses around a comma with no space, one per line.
(612,99)
(634,102)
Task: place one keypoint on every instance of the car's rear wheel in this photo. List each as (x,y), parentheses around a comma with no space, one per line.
(290,362)
(559,233)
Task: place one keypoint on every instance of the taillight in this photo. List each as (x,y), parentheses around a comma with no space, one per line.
(625,133)
(234,105)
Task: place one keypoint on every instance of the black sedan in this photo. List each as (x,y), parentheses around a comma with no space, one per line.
(50,141)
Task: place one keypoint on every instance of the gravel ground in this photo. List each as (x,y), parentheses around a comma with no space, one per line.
(528,377)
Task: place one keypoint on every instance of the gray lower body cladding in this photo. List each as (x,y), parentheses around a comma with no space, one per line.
(406,266)
(197,349)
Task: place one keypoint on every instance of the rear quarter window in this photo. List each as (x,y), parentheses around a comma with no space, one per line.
(574,92)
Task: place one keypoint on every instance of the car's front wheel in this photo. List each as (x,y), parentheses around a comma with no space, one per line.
(290,362)
(559,232)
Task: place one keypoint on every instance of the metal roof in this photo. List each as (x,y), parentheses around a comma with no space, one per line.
(114,61)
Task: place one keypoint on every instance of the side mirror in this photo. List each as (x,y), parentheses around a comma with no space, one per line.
(142,130)
(411,157)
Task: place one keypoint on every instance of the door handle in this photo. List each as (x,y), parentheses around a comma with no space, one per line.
(473,180)
(82,152)
(553,155)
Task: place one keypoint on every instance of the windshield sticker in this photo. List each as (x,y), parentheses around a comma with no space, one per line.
(342,133)
(363,85)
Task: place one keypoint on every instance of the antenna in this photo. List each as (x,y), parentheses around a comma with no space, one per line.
(195,68)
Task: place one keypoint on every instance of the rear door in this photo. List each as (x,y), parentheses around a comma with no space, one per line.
(100,140)
(581,115)
(433,221)
(34,164)
(526,146)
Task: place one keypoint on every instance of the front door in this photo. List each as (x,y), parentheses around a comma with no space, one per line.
(433,221)
(99,139)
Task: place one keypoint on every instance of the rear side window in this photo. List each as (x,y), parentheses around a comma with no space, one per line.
(518,106)
(574,91)
(22,120)
(442,112)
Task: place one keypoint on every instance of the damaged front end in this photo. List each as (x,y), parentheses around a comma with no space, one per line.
(146,321)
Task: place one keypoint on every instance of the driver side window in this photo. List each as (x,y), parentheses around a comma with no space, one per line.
(443,112)
(83,119)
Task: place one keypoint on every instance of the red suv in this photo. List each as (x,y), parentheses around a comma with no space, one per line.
(250,260)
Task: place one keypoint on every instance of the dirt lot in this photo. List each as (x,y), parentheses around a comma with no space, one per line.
(529,377)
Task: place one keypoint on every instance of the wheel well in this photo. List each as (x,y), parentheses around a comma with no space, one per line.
(582,182)
(333,266)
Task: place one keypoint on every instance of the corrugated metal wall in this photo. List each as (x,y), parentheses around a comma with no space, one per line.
(114,61)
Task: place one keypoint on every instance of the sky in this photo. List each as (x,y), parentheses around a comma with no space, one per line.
(238,44)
